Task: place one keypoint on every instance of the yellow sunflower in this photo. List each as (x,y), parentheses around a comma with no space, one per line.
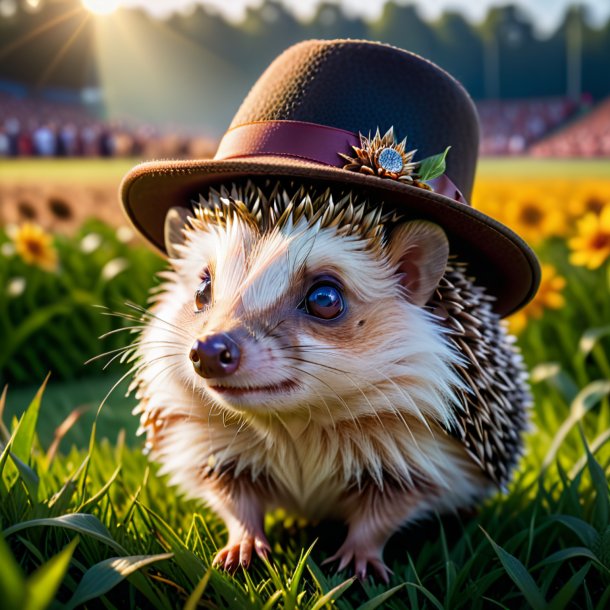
(35,246)
(548,297)
(591,244)
(591,200)
(535,218)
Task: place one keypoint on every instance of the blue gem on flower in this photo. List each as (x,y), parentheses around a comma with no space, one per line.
(384,157)
(390,160)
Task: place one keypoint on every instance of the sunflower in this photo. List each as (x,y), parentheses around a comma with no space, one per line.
(35,246)
(591,200)
(535,218)
(548,297)
(382,156)
(591,245)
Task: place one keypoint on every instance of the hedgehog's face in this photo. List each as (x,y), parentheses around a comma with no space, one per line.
(297,320)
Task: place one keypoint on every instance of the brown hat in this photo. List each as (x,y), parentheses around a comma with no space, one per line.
(301,120)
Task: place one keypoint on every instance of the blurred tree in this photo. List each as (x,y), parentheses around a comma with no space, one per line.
(268,30)
(595,55)
(49,47)
(329,21)
(402,26)
(460,50)
(502,56)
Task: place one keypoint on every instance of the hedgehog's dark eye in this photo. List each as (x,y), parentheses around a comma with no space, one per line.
(324,300)
(203,296)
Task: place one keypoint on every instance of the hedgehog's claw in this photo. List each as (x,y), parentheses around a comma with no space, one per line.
(239,553)
(361,559)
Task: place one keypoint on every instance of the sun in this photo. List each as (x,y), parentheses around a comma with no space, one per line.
(101,7)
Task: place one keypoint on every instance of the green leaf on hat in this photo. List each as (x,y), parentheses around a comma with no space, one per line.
(432,167)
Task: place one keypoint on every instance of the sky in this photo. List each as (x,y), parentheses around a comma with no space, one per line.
(546,13)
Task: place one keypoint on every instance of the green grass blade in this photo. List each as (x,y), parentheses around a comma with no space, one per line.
(600,483)
(270,603)
(584,401)
(334,594)
(378,600)
(192,566)
(552,373)
(567,592)
(93,500)
(571,553)
(43,584)
(12,581)
(5,435)
(29,477)
(198,591)
(594,446)
(428,594)
(103,576)
(295,580)
(588,397)
(519,575)
(590,338)
(79,522)
(318,575)
(60,501)
(585,532)
(23,438)
(604,600)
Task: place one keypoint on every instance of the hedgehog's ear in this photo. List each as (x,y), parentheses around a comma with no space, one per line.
(176,220)
(419,250)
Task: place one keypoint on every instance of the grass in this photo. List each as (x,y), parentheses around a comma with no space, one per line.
(518,168)
(112,170)
(94,524)
(52,323)
(87,521)
(78,397)
(99,526)
(65,170)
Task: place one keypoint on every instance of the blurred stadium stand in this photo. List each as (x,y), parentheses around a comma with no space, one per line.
(509,127)
(55,124)
(46,127)
(58,51)
(587,136)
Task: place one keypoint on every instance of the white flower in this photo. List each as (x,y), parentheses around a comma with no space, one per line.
(11,230)
(124,234)
(90,243)
(112,268)
(7,249)
(16,286)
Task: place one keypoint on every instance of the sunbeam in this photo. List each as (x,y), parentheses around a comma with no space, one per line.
(62,51)
(174,74)
(36,32)
(101,7)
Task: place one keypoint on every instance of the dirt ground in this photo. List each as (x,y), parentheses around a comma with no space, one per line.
(59,207)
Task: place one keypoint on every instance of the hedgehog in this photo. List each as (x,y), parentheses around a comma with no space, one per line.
(313,350)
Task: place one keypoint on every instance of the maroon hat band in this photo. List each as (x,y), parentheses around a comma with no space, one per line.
(303,140)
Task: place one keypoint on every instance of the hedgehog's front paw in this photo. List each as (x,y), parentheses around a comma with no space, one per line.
(239,553)
(362,558)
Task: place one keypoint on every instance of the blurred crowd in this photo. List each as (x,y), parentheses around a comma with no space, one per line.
(508,127)
(40,128)
(587,137)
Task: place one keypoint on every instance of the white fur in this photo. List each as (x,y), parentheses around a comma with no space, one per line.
(379,407)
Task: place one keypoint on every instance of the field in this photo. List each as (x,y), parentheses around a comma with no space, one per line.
(86,520)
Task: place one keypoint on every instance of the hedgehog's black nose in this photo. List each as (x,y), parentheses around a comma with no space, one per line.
(215,356)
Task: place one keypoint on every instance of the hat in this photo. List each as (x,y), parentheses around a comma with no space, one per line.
(302,120)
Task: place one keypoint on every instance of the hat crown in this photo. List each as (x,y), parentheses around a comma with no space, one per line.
(361,86)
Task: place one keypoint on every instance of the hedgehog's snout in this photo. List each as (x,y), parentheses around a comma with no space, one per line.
(215,356)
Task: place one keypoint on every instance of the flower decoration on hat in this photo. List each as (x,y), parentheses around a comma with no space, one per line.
(384,157)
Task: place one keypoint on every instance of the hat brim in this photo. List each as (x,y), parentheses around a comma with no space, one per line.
(497,257)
